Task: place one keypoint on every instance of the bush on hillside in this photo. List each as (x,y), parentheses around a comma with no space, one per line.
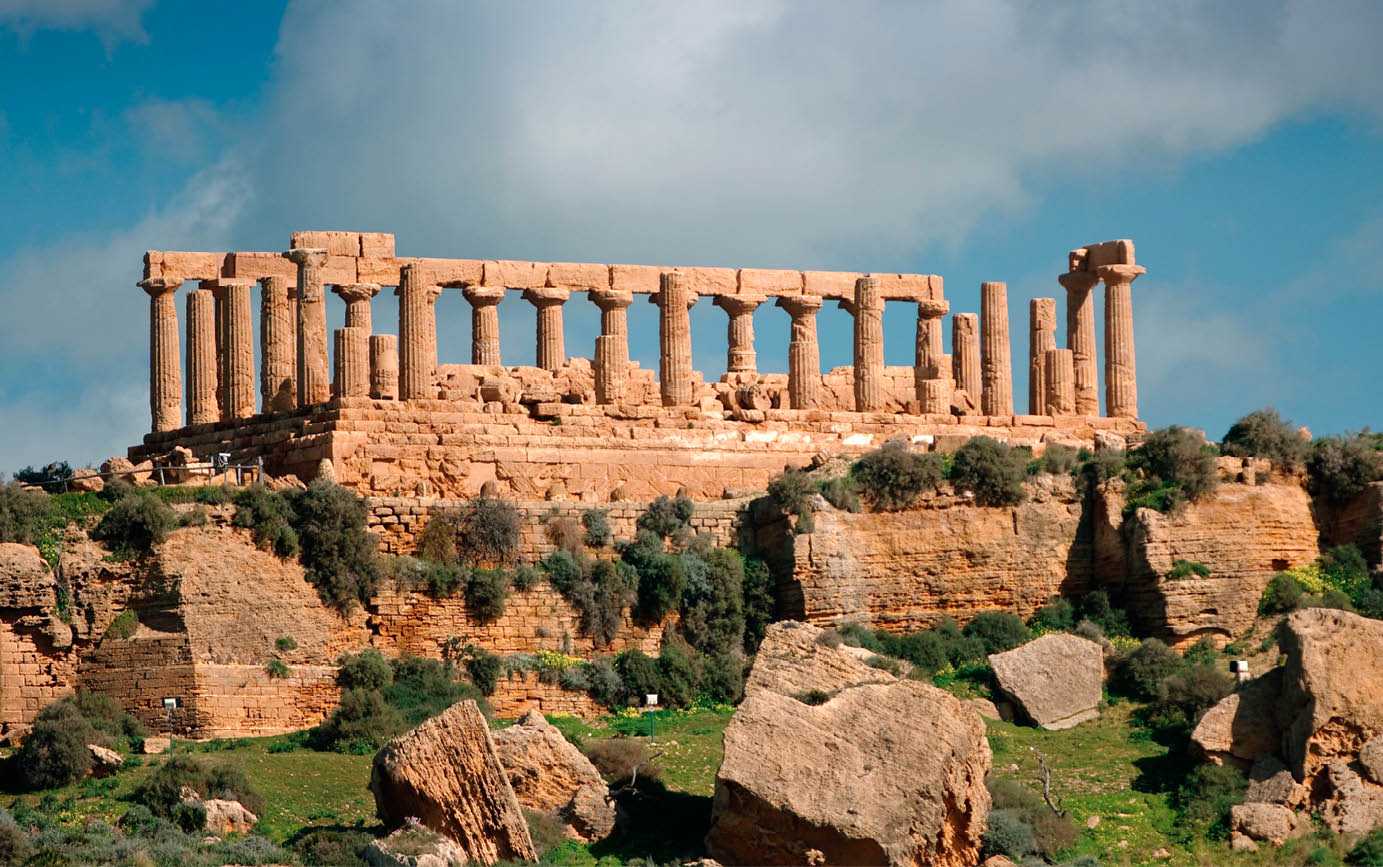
(991,470)
(790,494)
(362,723)
(617,760)
(639,673)
(338,554)
(760,602)
(597,525)
(51,478)
(22,514)
(161,791)
(713,603)
(422,688)
(661,576)
(135,524)
(55,750)
(601,598)
(1177,467)
(1140,672)
(368,669)
(1058,615)
(1342,467)
(486,591)
(123,626)
(483,668)
(1095,607)
(437,544)
(564,533)
(1265,433)
(666,517)
(1207,793)
(893,477)
(1187,568)
(489,531)
(1050,833)
(1059,460)
(1368,852)
(997,631)
(1195,689)
(1007,835)
(842,493)
(269,518)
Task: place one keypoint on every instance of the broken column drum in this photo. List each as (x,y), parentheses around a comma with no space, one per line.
(932,382)
(1041,337)
(612,346)
(740,356)
(1059,387)
(384,366)
(965,354)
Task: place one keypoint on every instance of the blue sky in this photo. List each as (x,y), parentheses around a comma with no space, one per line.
(1238,144)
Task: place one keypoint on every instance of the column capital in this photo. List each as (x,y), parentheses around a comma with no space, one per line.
(932,309)
(307,256)
(1078,282)
(611,299)
(1115,274)
(543,296)
(355,291)
(737,305)
(799,305)
(156,286)
(657,298)
(484,296)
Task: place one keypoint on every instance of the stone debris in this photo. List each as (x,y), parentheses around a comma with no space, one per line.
(104,761)
(1055,680)
(550,775)
(414,846)
(1271,823)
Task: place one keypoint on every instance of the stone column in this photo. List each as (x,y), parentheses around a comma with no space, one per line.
(384,367)
(552,352)
(1059,382)
(352,366)
(1080,337)
(965,354)
(201,358)
(417,334)
(484,302)
(239,351)
(612,346)
(674,302)
(357,297)
(740,357)
(996,363)
(804,352)
(930,364)
(869,345)
(165,362)
(1120,373)
(314,377)
(1041,337)
(278,345)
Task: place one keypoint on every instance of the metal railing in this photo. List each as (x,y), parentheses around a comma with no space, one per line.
(216,466)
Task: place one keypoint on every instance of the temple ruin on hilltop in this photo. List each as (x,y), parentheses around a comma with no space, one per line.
(391,420)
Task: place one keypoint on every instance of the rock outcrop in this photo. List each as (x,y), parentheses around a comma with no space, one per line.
(228,817)
(414,846)
(886,771)
(1270,823)
(25,579)
(1243,725)
(550,775)
(446,773)
(1056,680)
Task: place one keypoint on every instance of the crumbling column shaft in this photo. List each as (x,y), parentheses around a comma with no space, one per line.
(804,351)
(239,351)
(278,345)
(1080,338)
(931,371)
(201,358)
(740,356)
(1120,370)
(612,346)
(165,361)
(417,335)
(352,362)
(674,302)
(384,367)
(1059,386)
(996,363)
(552,352)
(484,302)
(1041,337)
(357,297)
(314,377)
(965,354)
(869,345)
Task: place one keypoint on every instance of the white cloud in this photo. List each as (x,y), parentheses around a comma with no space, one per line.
(90,426)
(113,20)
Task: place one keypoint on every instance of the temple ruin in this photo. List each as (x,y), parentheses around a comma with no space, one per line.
(391,420)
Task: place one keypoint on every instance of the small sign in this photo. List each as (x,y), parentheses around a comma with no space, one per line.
(651,699)
(172,702)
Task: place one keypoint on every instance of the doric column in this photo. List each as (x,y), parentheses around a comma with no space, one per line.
(417,334)
(278,345)
(165,362)
(384,367)
(1041,337)
(804,352)
(674,302)
(996,364)
(869,345)
(219,327)
(740,357)
(965,354)
(552,352)
(1059,382)
(1080,337)
(930,363)
(357,297)
(314,378)
(352,362)
(201,358)
(1120,371)
(612,346)
(484,302)
(238,350)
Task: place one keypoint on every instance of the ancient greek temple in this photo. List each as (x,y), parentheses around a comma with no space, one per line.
(203,397)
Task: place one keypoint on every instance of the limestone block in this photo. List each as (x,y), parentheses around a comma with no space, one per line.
(256,266)
(710,281)
(334,242)
(769,282)
(192,266)
(836,285)
(635,278)
(578,275)
(903,287)
(514,275)
(377,244)
(1056,680)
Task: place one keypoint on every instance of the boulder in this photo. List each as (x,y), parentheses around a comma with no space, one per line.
(1352,804)
(227,817)
(446,773)
(1056,680)
(1371,759)
(1330,705)
(982,706)
(104,762)
(25,579)
(86,481)
(179,463)
(414,846)
(886,771)
(1271,823)
(1242,725)
(118,467)
(1270,782)
(550,775)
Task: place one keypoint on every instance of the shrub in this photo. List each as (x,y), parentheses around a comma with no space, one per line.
(330,847)
(188,816)
(893,477)
(1145,667)
(337,552)
(1342,467)
(790,494)
(545,830)
(1186,568)
(1265,434)
(1368,852)
(362,723)
(437,544)
(55,749)
(1195,690)
(1282,594)
(134,525)
(285,644)
(1057,615)
(1344,569)
(1059,460)
(678,676)
(760,602)
(269,518)
(606,686)
(564,533)
(486,591)
(489,531)
(277,670)
(1096,608)
(483,667)
(1176,467)
(601,598)
(1208,792)
(639,673)
(524,577)
(722,677)
(123,626)
(50,478)
(161,791)
(813,697)
(667,518)
(661,578)
(885,663)
(14,843)
(713,605)
(597,524)
(1051,833)
(617,758)
(365,670)
(991,470)
(1008,835)
(423,688)
(997,630)
(22,514)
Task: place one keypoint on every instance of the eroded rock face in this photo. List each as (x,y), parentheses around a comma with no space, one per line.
(550,775)
(1269,823)
(25,579)
(228,817)
(446,773)
(884,772)
(414,846)
(1242,725)
(1353,804)
(1056,680)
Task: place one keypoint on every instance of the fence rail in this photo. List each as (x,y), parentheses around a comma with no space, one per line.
(212,468)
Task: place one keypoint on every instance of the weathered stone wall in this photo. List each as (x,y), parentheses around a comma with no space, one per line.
(1360,522)
(516,695)
(33,673)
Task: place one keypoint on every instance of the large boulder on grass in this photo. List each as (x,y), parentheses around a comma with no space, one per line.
(820,770)
(447,774)
(1056,681)
(550,775)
